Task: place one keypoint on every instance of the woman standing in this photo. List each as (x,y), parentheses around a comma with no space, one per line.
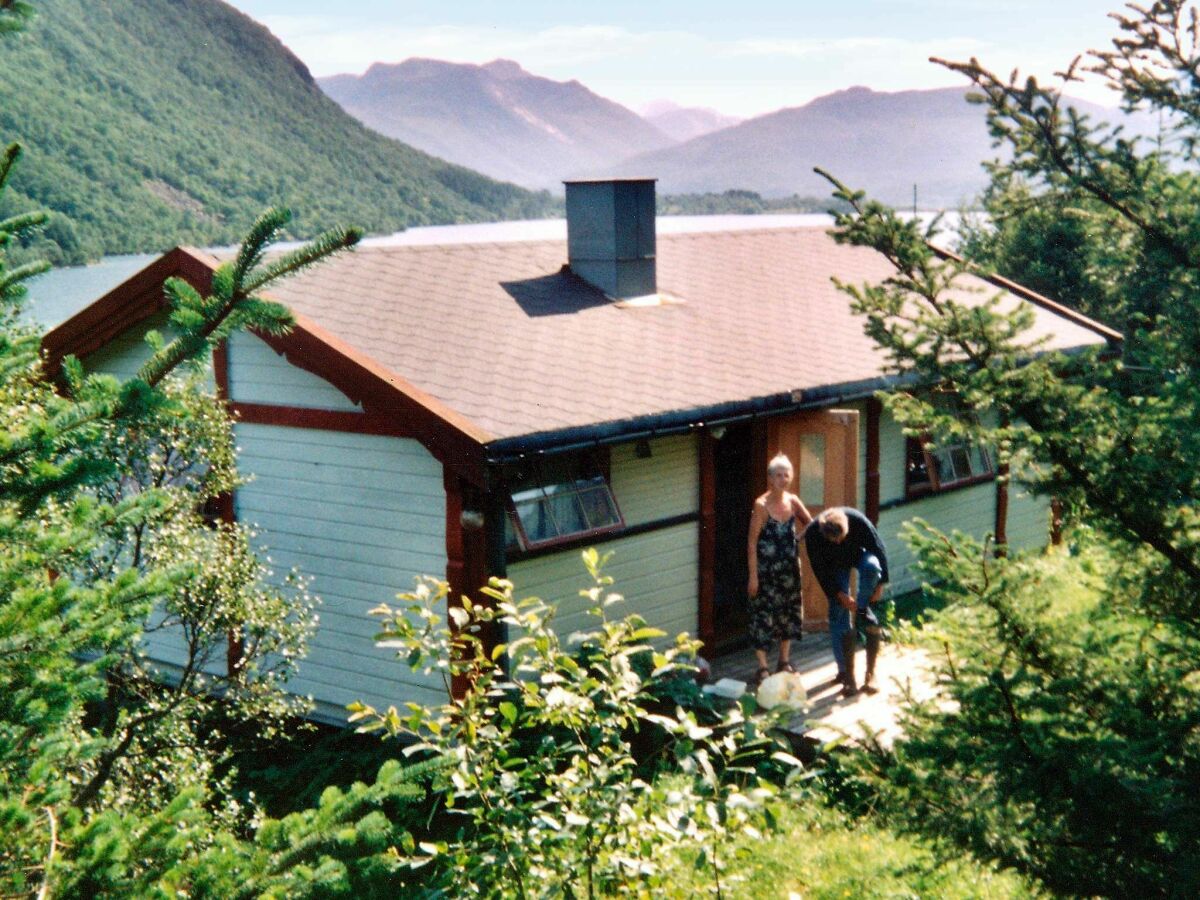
(774,589)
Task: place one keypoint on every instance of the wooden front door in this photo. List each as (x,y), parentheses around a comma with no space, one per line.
(823,448)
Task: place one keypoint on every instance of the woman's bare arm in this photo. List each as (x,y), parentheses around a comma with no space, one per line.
(758,518)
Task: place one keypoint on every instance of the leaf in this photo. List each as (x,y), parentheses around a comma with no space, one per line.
(647,634)
(787,759)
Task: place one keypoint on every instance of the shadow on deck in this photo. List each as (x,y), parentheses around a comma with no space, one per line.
(829,715)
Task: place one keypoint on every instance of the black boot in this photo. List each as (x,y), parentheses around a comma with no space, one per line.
(873,641)
(849,646)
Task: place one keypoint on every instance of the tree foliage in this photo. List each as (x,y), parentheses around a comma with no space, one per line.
(1064,740)
(555,757)
(127,110)
(109,776)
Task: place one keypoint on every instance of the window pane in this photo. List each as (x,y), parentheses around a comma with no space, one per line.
(559,497)
(812,469)
(916,472)
(962,462)
(536,521)
(564,506)
(599,508)
(945,467)
(981,461)
(529,495)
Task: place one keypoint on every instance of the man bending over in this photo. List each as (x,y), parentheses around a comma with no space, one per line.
(838,540)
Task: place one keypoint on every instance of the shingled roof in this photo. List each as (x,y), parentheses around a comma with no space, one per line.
(506,336)
(497,346)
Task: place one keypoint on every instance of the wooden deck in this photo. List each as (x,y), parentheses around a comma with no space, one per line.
(829,715)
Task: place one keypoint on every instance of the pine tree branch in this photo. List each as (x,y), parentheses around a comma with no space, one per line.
(1020,106)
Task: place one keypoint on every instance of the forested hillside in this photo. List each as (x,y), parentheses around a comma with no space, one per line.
(153,122)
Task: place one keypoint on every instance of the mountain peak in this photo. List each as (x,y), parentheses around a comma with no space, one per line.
(505,68)
(497,117)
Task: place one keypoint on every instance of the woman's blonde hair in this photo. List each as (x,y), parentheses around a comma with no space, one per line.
(779,461)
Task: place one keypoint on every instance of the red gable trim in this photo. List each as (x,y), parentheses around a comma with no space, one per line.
(451,438)
(1109,334)
(129,303)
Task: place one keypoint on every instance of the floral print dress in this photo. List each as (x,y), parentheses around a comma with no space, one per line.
(775,613)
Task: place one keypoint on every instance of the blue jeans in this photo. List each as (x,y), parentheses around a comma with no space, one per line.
(869,573)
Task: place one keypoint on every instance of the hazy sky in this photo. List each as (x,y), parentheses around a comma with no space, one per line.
(742,57)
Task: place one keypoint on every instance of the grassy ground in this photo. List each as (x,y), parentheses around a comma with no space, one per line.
(819,852)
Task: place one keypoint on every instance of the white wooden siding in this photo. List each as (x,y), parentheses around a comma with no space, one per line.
(257,374)
(970,510)
(656,572)
(664,485)
(861,486)
(124,354)
(122,357)
(362,515)
(892,459)
(1028,518)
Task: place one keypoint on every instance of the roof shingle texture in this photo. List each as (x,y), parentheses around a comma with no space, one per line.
(503,335)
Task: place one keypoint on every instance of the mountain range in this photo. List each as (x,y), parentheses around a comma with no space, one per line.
(890,144)
(153,122)
(510,124)
(495,118)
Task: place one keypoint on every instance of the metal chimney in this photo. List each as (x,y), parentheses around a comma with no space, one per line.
(610,235)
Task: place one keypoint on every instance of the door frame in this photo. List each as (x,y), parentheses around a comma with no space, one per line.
(762,449)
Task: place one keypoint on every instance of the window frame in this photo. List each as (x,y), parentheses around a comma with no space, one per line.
(924,449)
(934,484)
(587,467)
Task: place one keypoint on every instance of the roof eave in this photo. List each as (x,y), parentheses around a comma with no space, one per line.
(620,431)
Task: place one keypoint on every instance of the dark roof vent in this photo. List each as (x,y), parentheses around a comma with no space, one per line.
(610,235)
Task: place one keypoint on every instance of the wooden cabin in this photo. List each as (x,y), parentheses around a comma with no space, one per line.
(467,410)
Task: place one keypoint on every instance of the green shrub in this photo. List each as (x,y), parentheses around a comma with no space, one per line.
(543,785)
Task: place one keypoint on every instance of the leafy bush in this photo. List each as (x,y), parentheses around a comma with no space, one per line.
(544,792)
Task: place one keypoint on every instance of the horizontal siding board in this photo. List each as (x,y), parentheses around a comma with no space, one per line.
(125,354)
(403,558)
(257,374)
(333,709)
(320,461)
(664,485)
(427,532)
(656,572)
(305,496)
(969,510)
(168,644)
(276,488)
(350,579)
(1028,519)
(893,457)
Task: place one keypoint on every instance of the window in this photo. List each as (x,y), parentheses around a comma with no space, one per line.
(941,468)
(559,498)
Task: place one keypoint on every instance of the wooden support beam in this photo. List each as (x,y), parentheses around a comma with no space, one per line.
(706,588)
(871,500)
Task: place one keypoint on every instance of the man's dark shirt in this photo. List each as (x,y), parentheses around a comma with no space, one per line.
(828,559)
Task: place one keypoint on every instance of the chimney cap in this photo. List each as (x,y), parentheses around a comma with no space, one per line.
(621,180)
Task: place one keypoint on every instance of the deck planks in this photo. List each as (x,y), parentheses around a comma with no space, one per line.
(829,715)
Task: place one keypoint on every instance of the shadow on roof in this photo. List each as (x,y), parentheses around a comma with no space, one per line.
(559,294)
